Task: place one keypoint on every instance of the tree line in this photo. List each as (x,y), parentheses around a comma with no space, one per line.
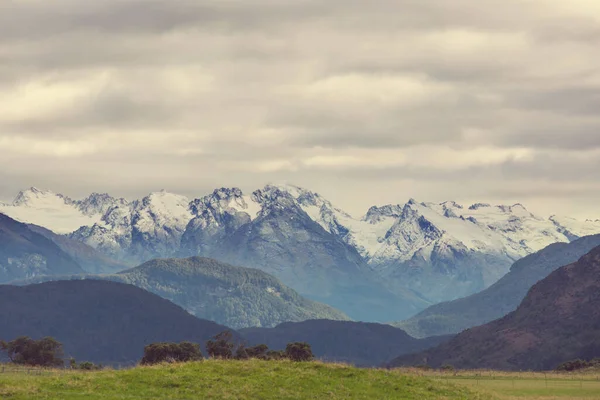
(48,352)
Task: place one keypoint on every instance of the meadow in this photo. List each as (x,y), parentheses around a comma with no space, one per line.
(256,379)
(228,380)
(522,385)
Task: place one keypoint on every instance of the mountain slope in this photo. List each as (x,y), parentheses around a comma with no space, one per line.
(98,321)
(284,241)
(502,297)
(233,296)
(358,343)
(559,320)
(90,259)
(142,230)
(25,253)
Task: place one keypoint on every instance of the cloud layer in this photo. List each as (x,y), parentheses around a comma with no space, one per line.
(367,102)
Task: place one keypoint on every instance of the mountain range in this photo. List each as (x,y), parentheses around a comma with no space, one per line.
(387,265)
(502,297)
(558,321)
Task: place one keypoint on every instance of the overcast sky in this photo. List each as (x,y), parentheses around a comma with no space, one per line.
(366,102)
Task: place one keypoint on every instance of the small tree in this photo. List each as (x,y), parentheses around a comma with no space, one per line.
(244,353)
(299,351)
(221,346)
(46,352)
(157,353)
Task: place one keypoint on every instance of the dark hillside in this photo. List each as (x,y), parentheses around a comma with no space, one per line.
(98,321)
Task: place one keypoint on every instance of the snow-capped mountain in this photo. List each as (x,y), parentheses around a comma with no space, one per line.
(144,229)
(50,210)
(441,251)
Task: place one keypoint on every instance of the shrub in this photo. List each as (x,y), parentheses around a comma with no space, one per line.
(299,351)
(221,346)
(46,352)
(89,366)
(157,353)
(575,365)
(244,353)
(448,368)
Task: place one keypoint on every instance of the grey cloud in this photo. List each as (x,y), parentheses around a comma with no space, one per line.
(517,73)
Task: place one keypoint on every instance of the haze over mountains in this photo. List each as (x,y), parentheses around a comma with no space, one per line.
(389,264)
(237,297)
(558,321)
(502,297)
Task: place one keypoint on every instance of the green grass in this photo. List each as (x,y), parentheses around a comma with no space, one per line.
(232,380)
(546,386)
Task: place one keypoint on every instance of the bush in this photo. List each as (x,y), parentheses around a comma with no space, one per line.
(299,351)
(89,366)
(46,352)
(245,353)
(576,365)
(157,353)
(448,368)
(222,346)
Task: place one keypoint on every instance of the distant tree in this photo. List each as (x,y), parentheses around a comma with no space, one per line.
(576,365)
(157,353)
(275,355)
(299,351)
(244,353)
(46,352)
(221,346)
(89,366)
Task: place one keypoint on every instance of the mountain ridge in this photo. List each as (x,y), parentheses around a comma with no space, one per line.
(502,297)
(558,321)
(427,252)
(229,295)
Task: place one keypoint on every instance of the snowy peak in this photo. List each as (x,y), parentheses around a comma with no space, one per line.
(34,197)
(225,201)
(377,214)
(162,210)
(99,203)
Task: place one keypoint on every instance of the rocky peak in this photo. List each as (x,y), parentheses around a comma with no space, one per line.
(220,201)
(478,206)
(99,203)
(376,214)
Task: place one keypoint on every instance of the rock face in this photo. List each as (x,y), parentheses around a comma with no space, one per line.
(26,254)
(502,297)
(98,321)
(393,262)
(359,343)
(559,320)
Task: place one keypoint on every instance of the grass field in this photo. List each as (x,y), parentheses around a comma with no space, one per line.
(230,380)
(547,386)
(287,380)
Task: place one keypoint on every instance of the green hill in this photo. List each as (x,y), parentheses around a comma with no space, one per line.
(237,297)
(229,295)
(231,380)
